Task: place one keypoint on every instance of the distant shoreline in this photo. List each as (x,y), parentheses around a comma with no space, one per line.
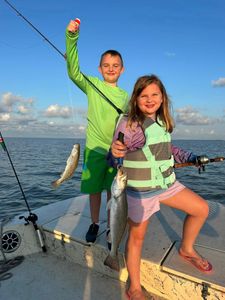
(83,138)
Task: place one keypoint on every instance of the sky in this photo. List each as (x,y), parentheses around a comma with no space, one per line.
(183,42)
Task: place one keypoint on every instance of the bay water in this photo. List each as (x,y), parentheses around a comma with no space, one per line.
(39,161)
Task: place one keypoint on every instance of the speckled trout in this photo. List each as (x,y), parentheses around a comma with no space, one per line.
(71,166)
(118,217)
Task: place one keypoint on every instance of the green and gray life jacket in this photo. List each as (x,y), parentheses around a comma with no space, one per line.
(151,167)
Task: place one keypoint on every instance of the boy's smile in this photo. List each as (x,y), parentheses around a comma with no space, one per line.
(111,68)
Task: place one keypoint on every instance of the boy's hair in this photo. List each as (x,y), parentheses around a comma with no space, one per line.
(112,53)
(163,113)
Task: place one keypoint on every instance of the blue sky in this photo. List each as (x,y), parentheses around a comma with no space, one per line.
(183,42)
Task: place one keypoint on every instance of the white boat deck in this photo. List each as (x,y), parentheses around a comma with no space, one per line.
(45,277)
(164,273)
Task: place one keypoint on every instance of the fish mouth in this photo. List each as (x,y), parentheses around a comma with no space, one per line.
(122,175)
(121,172)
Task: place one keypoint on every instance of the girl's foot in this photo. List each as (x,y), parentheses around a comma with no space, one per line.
(135,295)
(196,260)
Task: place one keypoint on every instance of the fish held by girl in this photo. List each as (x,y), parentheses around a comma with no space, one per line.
(71,165)
(118,217)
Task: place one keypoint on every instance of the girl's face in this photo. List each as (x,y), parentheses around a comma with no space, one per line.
(150,100)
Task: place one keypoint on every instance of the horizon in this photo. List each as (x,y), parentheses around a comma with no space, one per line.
(83,138)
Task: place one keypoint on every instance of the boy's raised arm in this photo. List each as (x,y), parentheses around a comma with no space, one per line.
(73,66)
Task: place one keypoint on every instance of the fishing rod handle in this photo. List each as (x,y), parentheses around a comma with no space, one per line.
(217,159)
(121,139)
(74,25)
(210,160)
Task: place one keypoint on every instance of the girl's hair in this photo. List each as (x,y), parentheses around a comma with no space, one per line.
(163,113)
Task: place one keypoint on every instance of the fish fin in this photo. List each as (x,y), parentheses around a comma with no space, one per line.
(112,263)
(109,203)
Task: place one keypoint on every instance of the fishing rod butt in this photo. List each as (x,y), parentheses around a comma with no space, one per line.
(32,218)
(41,241)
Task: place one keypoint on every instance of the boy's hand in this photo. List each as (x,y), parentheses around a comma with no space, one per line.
(118,149)
(73,26)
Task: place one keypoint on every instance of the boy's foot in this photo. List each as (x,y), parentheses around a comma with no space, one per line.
(92,233)
(108,239)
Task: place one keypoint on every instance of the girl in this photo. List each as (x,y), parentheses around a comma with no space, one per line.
(148,161)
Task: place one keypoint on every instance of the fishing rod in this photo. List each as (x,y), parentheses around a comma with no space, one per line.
(32,217)
(177,165)
(119,111)
(35,28)
(200,163)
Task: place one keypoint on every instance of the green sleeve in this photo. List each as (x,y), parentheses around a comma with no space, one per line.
(73,67)
(101,115)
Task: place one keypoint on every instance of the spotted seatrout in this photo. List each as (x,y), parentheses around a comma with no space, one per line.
(118,217)
(71,166)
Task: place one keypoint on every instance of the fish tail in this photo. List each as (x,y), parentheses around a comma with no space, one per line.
(55,183)
(112,262)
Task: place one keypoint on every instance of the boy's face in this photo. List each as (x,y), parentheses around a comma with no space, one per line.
(111,68)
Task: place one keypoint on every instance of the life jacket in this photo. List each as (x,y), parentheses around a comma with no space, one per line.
(151,167)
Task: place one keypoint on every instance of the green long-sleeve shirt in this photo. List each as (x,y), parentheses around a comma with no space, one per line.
(101,116)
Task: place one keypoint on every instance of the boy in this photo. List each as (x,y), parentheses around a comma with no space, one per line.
(101,116)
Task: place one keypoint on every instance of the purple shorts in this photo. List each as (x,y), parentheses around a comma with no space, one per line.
(141,209)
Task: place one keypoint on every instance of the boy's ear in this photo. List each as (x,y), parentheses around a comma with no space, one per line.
(122,70)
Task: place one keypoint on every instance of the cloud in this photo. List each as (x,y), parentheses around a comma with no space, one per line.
(55,111)
(190,116)
(23,109)
(219,82)
(197,132)
(170,54)
(9,100)
(82,128)
(11,103)
(19,117)
(4,117)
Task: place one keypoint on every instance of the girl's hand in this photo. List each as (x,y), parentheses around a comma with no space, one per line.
(73,26)
(118,149)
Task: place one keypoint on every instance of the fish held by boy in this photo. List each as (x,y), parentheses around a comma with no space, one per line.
(71,165)
(118,217)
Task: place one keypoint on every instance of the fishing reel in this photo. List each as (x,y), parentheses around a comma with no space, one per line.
(31,218)
(201,161)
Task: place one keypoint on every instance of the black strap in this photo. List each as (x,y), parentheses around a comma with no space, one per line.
(103,95)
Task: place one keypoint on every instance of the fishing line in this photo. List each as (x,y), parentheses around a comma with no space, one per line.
(51,44)
(69,91)
(32,217)
(35,28)
(119,111)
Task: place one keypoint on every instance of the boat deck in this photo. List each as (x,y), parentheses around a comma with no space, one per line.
(42,276)
(163,272)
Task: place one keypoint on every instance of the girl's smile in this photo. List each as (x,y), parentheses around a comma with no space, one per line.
(150,100)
